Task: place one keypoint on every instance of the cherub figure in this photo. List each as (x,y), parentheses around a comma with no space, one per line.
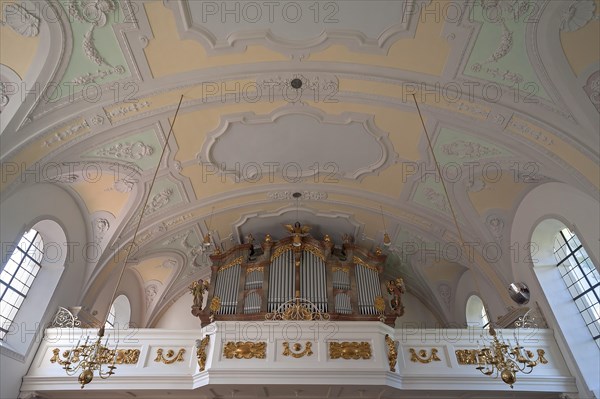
(297,231)
(297,228)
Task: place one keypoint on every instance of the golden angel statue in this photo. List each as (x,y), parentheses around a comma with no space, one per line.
(297,228)
(198,288)
(396,288)
(297,231)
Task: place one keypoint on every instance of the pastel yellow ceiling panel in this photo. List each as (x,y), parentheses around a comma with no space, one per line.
(499,194)
(99,194)
(158,269)
(442,270)
(588,168)
(426,53)
(190,55)
(405,139)
(16,51)
(26,158)
(439,97)
(581,45)
(191,128)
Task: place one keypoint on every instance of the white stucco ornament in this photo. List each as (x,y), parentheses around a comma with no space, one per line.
(577,15)
(20,20)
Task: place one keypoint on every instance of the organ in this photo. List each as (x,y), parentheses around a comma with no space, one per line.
(300,278)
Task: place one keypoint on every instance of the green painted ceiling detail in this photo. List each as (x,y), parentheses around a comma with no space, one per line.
(96,56)
(453,147)
(187,239)
(499,54)
(142,149)
(165,194)
(430,194)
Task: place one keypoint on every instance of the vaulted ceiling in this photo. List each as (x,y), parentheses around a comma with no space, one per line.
(509,92)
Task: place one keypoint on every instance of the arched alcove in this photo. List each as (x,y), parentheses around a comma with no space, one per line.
(64,231)
(475,312)
(120,313)
(541,215)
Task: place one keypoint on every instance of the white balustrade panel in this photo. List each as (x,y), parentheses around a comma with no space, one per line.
(362,342)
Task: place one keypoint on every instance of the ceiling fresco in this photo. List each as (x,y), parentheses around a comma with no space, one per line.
(506,90)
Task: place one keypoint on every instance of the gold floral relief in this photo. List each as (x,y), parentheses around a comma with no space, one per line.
(297,351)
(170,357)
(245,350)
(124,356)
(392,352)
(201,352)
(466,356)
(350,350)
(422,356)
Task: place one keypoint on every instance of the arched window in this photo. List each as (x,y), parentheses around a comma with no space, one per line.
(475,312)
(18,276)
(581,277)
(119,313)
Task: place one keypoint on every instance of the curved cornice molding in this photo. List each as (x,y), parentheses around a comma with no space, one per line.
(543,38)
(246,218)
(54,48)
(502,111)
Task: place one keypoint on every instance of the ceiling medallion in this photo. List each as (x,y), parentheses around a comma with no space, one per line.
(296,83)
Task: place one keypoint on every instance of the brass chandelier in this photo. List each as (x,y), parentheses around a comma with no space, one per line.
(87,359)
(496,358)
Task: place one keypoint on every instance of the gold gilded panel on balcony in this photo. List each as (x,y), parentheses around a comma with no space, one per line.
(124,356)
(245,350)
(350,350)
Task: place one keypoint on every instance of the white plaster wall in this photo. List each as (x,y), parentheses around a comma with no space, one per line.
(179,315)
(20,212)
(416,314)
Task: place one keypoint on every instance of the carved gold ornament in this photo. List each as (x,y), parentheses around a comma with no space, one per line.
(297,350)
(297,309)
(392,352)
(315,251)
(466,356)
(170,357)
(280,251)
(379,303)
(201,351)
(215,305)
(350,350)
(396,288)
(422,357)
(255,269)
(245,350)
(124,356)
(361,262)
(235,262)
